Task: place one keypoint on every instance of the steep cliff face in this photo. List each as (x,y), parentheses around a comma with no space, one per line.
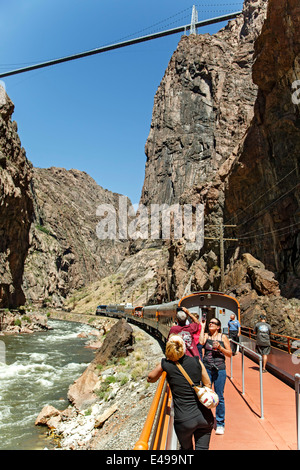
(65,252)
(16,208)
(262,196)
(202,108)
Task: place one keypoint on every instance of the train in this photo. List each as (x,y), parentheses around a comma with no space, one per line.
(158,319)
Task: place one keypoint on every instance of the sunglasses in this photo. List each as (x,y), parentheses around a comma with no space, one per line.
(213,323)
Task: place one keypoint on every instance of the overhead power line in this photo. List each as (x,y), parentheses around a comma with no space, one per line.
(221,239)
(118,45)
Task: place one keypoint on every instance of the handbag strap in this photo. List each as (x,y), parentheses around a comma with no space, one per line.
(188,378)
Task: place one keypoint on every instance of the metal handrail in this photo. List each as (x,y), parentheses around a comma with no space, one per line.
(143,442)
(161,430)
(297,385)
(243,348)
(247,331)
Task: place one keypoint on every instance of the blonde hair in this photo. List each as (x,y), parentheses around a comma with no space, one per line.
(175,348)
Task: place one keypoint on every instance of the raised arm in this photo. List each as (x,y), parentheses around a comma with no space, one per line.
(189,314)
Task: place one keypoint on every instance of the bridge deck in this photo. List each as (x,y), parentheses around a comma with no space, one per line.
(244,429)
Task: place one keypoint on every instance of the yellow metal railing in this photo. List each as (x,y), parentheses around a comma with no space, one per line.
(158,420)
(161,433)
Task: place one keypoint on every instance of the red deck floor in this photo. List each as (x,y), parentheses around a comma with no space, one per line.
(244,429)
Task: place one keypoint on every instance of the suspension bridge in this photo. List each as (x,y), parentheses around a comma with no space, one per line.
(191,27)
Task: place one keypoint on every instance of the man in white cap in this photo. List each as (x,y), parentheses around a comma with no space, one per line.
(187,330)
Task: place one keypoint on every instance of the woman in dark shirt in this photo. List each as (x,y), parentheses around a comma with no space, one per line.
(216,347)
(191,418)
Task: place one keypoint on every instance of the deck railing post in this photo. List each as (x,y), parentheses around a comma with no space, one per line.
(142,443)
(261,387)
(243,348)
(243,371)
(297,384)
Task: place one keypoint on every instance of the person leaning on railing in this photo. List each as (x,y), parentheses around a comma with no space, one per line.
(191,418)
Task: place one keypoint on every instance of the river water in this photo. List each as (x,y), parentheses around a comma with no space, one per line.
(37,370)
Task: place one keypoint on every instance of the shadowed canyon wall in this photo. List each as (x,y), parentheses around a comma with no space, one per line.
(16,208)
(262,196)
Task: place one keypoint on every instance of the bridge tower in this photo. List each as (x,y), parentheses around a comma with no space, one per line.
(194,20)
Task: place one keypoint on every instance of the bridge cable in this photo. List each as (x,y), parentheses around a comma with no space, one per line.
(122,44)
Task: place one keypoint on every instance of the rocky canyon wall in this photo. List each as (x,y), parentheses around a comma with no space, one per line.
(65,253)
(225,133)
(262,196)
(16,208)
(202,110)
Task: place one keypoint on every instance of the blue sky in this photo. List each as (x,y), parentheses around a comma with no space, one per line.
(92,114)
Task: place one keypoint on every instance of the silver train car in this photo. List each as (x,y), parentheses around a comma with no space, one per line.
(158,319)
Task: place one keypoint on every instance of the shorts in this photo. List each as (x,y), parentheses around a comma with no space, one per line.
(263,350)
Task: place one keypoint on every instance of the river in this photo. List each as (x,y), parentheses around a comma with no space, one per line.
(36,370)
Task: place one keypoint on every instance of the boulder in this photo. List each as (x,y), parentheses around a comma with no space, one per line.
(249,273)
(262,280)
(100,420)
(47,413)
(81,392)
(117,343)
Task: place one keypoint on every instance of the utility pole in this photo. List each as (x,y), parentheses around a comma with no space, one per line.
(222,240)
(168,283)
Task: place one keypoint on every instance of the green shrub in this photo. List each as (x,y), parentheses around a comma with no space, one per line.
(26,318)
(110,379)
(41,228)
(103,391)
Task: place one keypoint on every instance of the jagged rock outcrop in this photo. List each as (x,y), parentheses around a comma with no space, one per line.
(262,196)
(65,253)
(258,293)
(117,343)
(12,323)
(16,202)
(202,108)
(249,273)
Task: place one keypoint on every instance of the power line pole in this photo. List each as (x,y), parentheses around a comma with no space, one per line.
(168,284)
(222,240)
